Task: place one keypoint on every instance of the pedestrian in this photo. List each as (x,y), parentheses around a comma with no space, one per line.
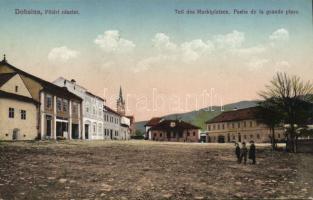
(237,152)
(244,152)
(252,152)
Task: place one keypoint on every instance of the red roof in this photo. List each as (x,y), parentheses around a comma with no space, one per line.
(235,115)
(153,121)
(171,125)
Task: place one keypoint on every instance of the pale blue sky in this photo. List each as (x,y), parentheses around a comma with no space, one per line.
(177,54)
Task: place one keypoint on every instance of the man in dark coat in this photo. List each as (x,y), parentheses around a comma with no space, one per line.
(244,152)
(237,152)
(252,152)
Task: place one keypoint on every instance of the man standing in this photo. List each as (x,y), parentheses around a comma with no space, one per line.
(252,152)
(237,152)
(244,152)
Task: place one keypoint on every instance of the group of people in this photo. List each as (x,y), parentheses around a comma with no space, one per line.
(242,152)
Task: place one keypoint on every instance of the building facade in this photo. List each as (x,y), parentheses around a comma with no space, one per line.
(240,126)
(18,111)
(152,122)
(175,131)
(92,109)
(112,124)
(59,113)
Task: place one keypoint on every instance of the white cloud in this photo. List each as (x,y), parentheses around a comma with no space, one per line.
(257,63)
(111,42)
(192,50)
(250,50)
(279,35)
(149,62)
(230,40)
(162,42)
(282,66)
(62,54)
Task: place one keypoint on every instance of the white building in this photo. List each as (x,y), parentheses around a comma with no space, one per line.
(92,109)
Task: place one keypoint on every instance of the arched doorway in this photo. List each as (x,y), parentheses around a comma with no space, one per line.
(16,134)
(239,137)
(221,139)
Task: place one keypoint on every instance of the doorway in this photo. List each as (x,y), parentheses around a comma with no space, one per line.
(48,125)
(239,137)
(86,131)
(75,134)
(221,139)
(16,134)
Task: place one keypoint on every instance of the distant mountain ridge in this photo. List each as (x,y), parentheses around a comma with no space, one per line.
(199,117)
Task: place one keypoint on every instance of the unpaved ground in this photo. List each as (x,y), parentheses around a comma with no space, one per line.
(148,170)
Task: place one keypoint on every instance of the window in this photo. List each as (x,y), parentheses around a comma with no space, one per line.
(238,124)
(188,134)
(218,127)
(75,108)
(251,124)
(160,134)
(223,126)
(258,136)
(194,133)
(59,104)
(278,135)
(11,112)
(65,105)
(16,88)
(234,137)
(49,101)
(245,124)
(209,127)
(23,114)
(233,125)
(214,127)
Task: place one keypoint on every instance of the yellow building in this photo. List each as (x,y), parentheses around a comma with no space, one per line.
(240,126)
(60,112)
(18,111)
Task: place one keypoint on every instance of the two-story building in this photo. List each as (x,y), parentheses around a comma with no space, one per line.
(18,111)
(59,113)
(92,109)
(112,124)
(240,126)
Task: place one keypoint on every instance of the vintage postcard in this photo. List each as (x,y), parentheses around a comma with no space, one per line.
(156,99)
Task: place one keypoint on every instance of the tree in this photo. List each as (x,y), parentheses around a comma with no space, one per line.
(269,114)
(293,99)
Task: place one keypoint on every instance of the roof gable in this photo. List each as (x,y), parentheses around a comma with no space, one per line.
(14,85)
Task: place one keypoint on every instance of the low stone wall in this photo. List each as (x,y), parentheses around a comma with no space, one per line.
(305,146)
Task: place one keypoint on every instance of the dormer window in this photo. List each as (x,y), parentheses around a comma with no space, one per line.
(16,88)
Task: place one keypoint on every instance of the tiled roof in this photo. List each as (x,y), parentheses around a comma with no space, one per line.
(17,97)
(111,110)
(153,121)
(47,86)
(95,95)
(235,115)
(171,125)
(5,77)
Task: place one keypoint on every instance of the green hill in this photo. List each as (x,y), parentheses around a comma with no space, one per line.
(199,117)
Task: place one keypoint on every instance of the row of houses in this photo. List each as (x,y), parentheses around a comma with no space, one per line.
(240,125)
(32,108)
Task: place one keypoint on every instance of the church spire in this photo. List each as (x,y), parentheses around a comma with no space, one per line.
(121,93)
(121,103)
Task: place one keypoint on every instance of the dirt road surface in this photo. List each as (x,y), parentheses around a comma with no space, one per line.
(148,170)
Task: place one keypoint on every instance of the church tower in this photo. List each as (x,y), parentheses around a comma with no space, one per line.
(120,104)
